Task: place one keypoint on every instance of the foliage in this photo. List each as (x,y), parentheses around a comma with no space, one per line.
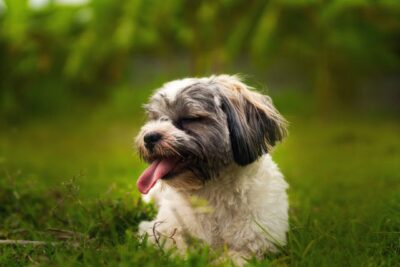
(53,54)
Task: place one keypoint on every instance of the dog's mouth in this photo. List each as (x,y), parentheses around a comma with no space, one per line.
(158,169)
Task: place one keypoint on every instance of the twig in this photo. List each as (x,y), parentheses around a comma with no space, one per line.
(65,234)
(27,242)
(172,235)
(157,237)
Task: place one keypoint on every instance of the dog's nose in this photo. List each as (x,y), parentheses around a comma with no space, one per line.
(151,139)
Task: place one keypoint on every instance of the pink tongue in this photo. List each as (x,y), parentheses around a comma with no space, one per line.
(155,171)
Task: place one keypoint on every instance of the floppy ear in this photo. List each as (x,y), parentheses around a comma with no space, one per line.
(254,123)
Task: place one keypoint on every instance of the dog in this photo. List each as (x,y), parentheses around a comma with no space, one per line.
(207,141)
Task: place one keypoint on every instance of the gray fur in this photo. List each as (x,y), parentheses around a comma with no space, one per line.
(209,125)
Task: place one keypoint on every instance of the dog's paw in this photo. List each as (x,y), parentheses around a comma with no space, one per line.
(145,227)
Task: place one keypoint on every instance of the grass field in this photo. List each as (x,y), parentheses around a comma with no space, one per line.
(72,179)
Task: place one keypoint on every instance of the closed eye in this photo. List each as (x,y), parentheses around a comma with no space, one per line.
(190,119)
(182,122)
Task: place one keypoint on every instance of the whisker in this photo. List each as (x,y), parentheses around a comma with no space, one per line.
(170,147)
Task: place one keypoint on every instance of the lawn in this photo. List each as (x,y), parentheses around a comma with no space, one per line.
(70,179)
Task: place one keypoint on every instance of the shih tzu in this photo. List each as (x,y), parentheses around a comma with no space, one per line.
(207,141)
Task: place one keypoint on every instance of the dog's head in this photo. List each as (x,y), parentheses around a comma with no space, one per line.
(198,127)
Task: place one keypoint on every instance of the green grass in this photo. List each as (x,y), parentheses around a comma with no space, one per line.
(73,180)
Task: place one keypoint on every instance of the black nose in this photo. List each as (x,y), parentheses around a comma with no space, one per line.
(151,139)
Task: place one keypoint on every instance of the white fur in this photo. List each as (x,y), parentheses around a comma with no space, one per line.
(245,209)
(172,89)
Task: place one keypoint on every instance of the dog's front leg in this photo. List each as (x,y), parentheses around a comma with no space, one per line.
(163,234)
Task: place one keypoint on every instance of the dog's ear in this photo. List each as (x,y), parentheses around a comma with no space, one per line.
(254,123)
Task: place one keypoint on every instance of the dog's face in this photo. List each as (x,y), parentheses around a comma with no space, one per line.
(198,127)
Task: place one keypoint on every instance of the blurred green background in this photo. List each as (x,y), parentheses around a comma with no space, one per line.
(73,77)
(338,53)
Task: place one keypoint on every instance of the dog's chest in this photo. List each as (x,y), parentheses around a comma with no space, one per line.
(221,224)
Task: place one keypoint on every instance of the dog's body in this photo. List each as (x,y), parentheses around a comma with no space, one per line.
(210,173)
